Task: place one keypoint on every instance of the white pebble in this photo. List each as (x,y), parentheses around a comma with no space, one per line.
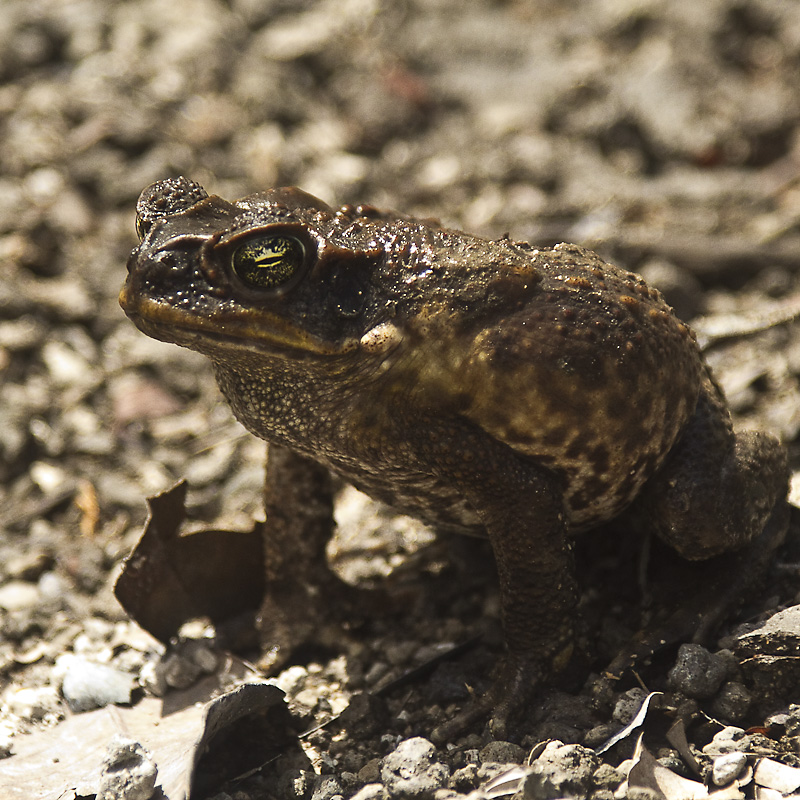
(87,685)
(18,595)
(727,768)
(129,772)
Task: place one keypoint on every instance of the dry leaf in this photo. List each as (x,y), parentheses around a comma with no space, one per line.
(774,775)
(649,774)
(676,736)
(505,784)
(635,723)
(768,794)
(176,730)
(169,578)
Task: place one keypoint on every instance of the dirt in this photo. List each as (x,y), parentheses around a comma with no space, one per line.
(666,135)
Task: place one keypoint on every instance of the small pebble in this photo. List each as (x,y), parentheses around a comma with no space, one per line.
(779,720)
(32,704)
(372,791)
(28,566)
(201,654)
(628,705)
(18,595)
(296,783)
(697,672)
(607,777)
(562,770)
(179,672)
(413,770)
(465,779)
(642,793)
(87,685)
(152,678)
(725,741)
(128,772)
(64,363)
(732,702)
(792,722)
(327,788)
(48,477)
(371,771)
(727,768)
(52,587)
(291,680)
(502,753)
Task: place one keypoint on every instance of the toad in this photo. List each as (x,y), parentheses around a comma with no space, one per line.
(486,387)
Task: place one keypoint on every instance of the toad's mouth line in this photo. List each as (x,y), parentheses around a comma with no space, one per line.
(267,334)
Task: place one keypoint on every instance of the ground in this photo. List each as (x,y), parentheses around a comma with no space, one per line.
(666,135)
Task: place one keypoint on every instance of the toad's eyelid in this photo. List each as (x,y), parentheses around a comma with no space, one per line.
(182,240)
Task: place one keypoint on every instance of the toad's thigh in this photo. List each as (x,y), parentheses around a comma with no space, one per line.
(717,488)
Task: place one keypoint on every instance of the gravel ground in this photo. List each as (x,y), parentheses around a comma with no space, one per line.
(666,135)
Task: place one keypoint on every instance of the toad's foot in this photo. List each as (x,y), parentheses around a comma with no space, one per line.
(503,704)
(293,615)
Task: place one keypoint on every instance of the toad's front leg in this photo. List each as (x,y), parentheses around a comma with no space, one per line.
(299,507)
(304,600)
(521,507)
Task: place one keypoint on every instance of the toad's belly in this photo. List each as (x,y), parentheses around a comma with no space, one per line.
(589,497)
(418,495)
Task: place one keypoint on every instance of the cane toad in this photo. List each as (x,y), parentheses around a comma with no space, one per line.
(486,387)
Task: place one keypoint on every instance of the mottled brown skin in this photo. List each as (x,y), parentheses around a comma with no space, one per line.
(486,387)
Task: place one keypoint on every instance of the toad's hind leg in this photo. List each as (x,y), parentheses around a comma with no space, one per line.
(717,489)
(719,500)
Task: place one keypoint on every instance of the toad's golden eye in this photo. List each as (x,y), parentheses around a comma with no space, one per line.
(268,262)
(141,227)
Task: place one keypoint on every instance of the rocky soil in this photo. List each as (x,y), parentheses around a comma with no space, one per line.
(663,133)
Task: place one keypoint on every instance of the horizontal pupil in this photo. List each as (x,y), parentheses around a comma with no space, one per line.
(269,261)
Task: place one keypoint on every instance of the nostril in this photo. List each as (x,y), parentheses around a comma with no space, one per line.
(131,262)
(143,225)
